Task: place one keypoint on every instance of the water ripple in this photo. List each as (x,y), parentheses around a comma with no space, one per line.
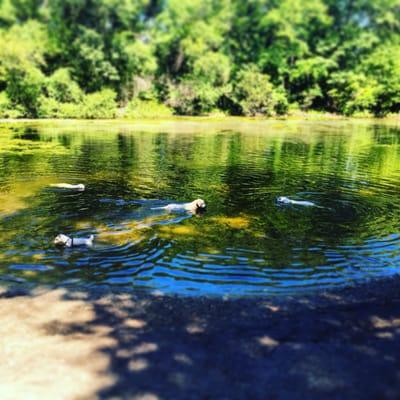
(244,245)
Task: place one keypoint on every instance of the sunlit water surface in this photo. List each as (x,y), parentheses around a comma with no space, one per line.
(244,244)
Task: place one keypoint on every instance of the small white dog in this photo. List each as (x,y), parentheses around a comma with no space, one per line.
(64,240)
(79,186)
(195,206)
(286,200)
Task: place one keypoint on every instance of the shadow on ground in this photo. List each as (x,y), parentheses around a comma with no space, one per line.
(339,345)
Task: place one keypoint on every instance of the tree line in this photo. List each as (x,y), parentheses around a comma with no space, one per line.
(134,58)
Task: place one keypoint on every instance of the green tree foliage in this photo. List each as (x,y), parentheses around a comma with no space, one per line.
(22,46)
(192,97)
(383,65)
(7,13)
(352,92)
(100,104)
(254,93)
(307,79)
(95,39)
(147,109)
(62,98)
(24,88)
(186,30)
(62,88)
(135,63)
(7,109)
(63,58)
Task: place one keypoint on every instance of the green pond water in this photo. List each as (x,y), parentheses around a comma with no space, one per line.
(245,244)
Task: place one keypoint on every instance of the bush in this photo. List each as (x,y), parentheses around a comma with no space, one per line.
(7,110)
(255,95)
(193,98)
(281,102)
(309,98)
(64,97)
(387,100)
(99,105)
(62,88)
(383,65)
(51,108)
(352,92)
(147,109)
(24,88)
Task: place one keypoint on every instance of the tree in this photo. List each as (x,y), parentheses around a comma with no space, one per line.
(199,55)
(352,92)
(22,50)
(384,66)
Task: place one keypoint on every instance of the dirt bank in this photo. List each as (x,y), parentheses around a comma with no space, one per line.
(68,344)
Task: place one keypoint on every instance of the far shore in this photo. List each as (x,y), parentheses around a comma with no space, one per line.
(95,343)
(189,125)
(295,116)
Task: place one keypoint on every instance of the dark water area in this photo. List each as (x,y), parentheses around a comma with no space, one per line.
(245,244)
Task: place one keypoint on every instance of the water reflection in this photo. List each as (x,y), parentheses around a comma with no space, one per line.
(244,244)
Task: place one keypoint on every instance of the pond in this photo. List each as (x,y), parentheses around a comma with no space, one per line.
(244,244)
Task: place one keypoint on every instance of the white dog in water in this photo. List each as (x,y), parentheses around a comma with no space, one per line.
(64,240)
(79,186)
(195,206)
(286,200)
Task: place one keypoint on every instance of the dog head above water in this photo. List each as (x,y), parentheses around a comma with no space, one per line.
(200,204)
(61,240)
(283,200)
(196,206)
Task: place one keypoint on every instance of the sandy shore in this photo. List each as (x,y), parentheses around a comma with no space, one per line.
(59,343)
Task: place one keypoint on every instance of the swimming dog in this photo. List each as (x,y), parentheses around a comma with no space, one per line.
(286,200)
(79,186)
(195,206)
(66,241)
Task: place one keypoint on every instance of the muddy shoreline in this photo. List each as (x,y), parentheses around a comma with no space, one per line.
(373,288)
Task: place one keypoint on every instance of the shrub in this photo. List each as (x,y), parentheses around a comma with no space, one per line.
(48,108)
(191,97)
(63,97)
(383,65)
(99,105)
(281,102)
(4,102)
(96,105)
(387,99)
(24,88)
(352,92)
(142,88)
(147,109)
(7,110)
(61,87)
(51,108)
(254,93)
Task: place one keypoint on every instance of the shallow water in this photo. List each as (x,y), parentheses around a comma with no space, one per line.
(244,244)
